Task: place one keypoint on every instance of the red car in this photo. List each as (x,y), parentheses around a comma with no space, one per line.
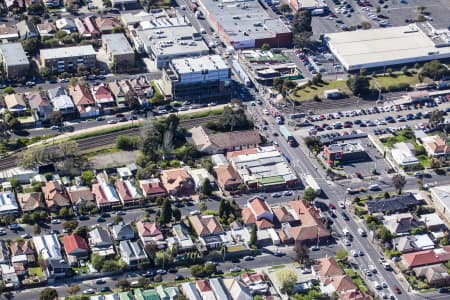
(397,289)
(331,206)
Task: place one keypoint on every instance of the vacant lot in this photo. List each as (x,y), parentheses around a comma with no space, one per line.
(310,92)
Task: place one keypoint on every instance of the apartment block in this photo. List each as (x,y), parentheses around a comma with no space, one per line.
(67,59)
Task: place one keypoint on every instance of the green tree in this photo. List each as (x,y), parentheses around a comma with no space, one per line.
(82,231)
(87,176)
(209,269)
(166,212)
(202,206)
(45,72)
(206,187)
(359,85)
(63,212)
(221,211)
(285,8)
(341,254)
(60,34)
(389,71)
(436,117)
(265,47)
(309,194)
(48,294)
(434,70)
(123,284)
(68,148)
(196,271)
(70,225)
(384,234)
(31,45)
(96,261)
(8,90)
(73,289)
(127,143)
(176,213)
(55,117)
(253,235)
(301,28)
(399,182)
(132,100)
(118,29)
(287,279)
(301,252)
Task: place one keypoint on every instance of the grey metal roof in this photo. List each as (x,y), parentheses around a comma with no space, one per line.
(63,52)
(13,54)
(117,43)
(392,204)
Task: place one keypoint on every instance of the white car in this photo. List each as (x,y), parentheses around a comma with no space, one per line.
(89,291)
(346,242)
(354,253)
(287,193)
(55,221)
(265,111)
(341,204)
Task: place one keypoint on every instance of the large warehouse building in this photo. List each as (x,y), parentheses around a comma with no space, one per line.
(383,47)
(245,24)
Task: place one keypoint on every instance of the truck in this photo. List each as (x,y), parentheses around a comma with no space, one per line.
(287,136)
(312,183)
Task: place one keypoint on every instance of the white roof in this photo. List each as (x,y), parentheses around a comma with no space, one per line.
(384,46)
(199,175)
(432,219)
(442,193)
(190,291)
(55,53)
(403,155)
(48,246)
(62,102)
(8,202)
(198,64)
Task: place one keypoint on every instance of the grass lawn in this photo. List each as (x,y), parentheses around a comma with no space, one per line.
(36,271)
(317,90)
(386,81)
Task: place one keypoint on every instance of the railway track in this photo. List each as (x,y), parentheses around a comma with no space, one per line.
(10,161)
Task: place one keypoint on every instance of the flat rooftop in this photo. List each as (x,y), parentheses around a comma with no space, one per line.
(68,52)
(172,40)
(244,20)
(197,64)
(384,46)
(13,54)
(117,43)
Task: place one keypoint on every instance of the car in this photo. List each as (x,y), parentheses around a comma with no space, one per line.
(444,290)
(2,231)
(25,236)
(315,248)
(100,281)
(384,285)
(235,269)
(89,291)
(66,230)
(287,193)
(276,195)
(366,271)
(346,242)
(396,289)
(83,218)
(30,83)
(341,204)
(55,221)
(179,277)
(278,253)
(248,258)
(235,260)
(100,119)
(161,271)
(121,213)
(112,121)
(105,289)
(372,268)
(100,219)
(345,216)
(418,175)
(353,253)
(360,253)
(173,270)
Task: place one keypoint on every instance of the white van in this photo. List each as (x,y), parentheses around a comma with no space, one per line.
(374,187)
(345,231)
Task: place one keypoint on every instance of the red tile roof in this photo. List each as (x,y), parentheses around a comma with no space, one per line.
(203,286)
(427,257)
(153,188)
(148,229)
(74,242)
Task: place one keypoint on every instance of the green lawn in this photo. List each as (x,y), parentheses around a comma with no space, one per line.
(36,271)
(396,79)
(318,90)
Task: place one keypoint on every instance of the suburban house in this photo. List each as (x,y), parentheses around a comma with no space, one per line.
(426,257)
(177,182)
(61,100)
(132,253)
(400,203)
(76,248)
(81,196)
(205,290)
(225,141)
(149,232)
(8,203)
(30,202)
(190,291)
(259,213)
(119,89)
(83,101)
(27,30)
(105,195)
(49,248)
(331,276)
(46,29)
(399,224)
(237,290)
(326,267)
(435,146)
(181,239)
(227,178)
(128,193)
(435,275)
(167,293)
(141,87)
(66,25)
(311,229)
(15,103)
(54,196)
(4,253)
(208,229)
(100,242)
(106,24)
(433,222)
(122,232)
(403,155)
(22,252)
(218,288)
(152,188)
(8,32)
(413,243)
(256,282)
(40,104)
(199,176)
(103,96)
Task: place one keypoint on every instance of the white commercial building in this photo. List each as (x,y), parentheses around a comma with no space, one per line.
(383,47)
(8,203)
